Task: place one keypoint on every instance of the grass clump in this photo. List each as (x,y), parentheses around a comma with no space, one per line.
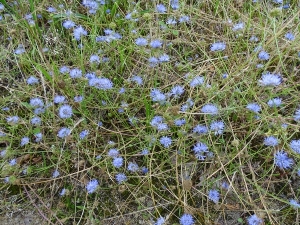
(151,112)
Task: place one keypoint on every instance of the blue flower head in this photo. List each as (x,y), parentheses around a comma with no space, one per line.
(218,46)
(12,119)
(238,26)
(177,91)
(36,121)
(101,83)
(217,127)
(64,69)
(32,80)
(64,132)
(79,31)
(160,221)
(158,123)
(174,4)
(78,98)
(196,81)
(186,219)
(141,41)
(210,109)
(68,24)
(24,141)
(92,186)
(153,61)
(179,122)
(200,129)
(263,55)
(165,141)
(271,141)
(137,79)
(55,174)
(95,59)
(156,44)
(83,134)
(13,162)
(297,115)
(36,102)
(254,107)
(38,137)
(294,203)
(164,58)
(132,167)
(282,160)
(157,96)
(199,150)
(121,177)
(254,220)
(184,19)
(117,162)
(295,146)
(214,195)
(113,152)
(75,73)
(274,102)
(161,8)
(65,111)
(289,36)
(270,79)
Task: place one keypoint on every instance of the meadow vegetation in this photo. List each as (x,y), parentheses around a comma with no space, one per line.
(151,112)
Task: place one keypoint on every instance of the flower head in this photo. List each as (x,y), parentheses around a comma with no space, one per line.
(186,219)
(199,150)
(295,145)
(117,162)
(289,36)
(83,134)
(55,174)
(165,141)
(282,160)
(79,31)
(294,203)
(210,109)
(141,41)
(271,141)
(156,44)
(101,83)
(132,167)
(196,81)
(200,129)
(160,221)
(12,119)
(65,111)
(36,102)
(177,91)
(214,195)
(274,102)
(161,8)
(157,95)
(217,127)
(263,55)
(121,177)
(68,24)
(218,46)
(92,186)
(32,80)
(64,132)
(254,220)
(254,107)
(75,73)
(24,141)
(270,79)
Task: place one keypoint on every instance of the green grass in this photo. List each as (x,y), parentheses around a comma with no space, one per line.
(176,182)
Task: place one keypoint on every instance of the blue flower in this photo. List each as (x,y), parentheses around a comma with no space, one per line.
(186,219)
(238,26)
(55,174)
(24,141)
(254,107)
(294,203)
(153,61)
(199,150)
(12,162)
(36,121)
(263,55)
(137,79)
(161,8)
(144,170)
(121,177)
(160,221)
(200,129)
(177,91)
(184,19)
(39,111)
(158,123)
(214,195)
(165,141)
(145,151)
(217,127)
(218,46)
(174,4)
(210,109)
(75,73)
(290,36)
(20,49)
(101,83)
(254,220)
(64,69)
(278,1)
(113,152)
(64,132)
(295,145)
(83,134)
(132,167)
(196,81)
(157,95)
(12,119)
(117,162)
(164,58)
(38,137)
(271,141)
(95,59)
(51,9)
(282,160)
(270,79)
(297,115)
(189,103)
(78,32)
(156,44)
(275,102)
(59,99)
(91,5)
(253,39)
(141,41)
(62,192)
(92,186)
(179,122)
(171,21)
(65,111)
(32,80)
(36,102)
(78,98)
(68,24)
